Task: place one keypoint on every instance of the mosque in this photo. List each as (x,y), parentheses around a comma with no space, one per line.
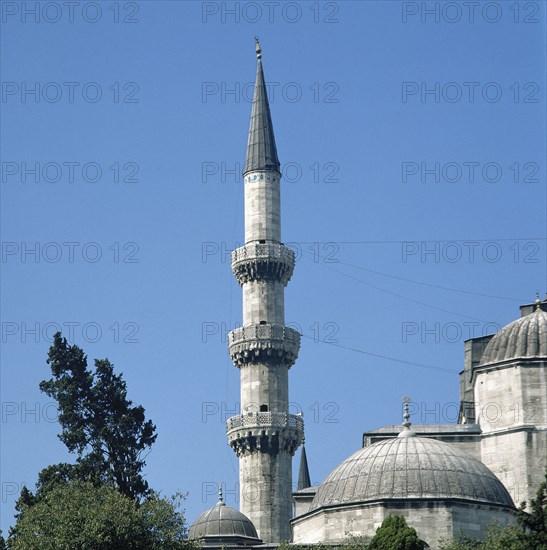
(443,478)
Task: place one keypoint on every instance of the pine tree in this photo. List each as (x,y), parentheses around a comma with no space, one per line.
(535,522)
(395,534)
(99,423)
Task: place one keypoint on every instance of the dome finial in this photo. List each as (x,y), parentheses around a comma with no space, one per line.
(258,49)
(406,431)
(220,497)
(406,414)
(538,300)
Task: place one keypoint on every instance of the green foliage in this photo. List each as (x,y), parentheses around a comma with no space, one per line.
(356,543)
(505,538)
(98,423)
(289,546)
(510,537)
(395,534)
(166,524)
(353,543)
(52,476)
(534,523)
(80,515)
(461,542)
(102,501)
(530,533)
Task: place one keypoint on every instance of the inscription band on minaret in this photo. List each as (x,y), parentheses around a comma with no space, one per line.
(264,436)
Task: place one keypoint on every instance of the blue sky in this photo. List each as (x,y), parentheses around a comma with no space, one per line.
(413,144)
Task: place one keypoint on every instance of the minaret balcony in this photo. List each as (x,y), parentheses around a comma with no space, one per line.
(263,261)
(265,432)
(264,343)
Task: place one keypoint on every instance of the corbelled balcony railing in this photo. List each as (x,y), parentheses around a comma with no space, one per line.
(265,419)
(256,343)
(266,431)
(266,261)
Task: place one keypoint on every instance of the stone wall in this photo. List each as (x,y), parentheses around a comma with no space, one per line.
(433,520)
(512,412)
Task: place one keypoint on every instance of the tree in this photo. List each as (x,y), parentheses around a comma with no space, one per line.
(534,523)
(530,533)
(395,534)
(80,515)
(102,501)
(98,422)
(510,537)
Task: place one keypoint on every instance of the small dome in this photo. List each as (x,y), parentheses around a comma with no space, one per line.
(222,521)
(410,468)
(524,338)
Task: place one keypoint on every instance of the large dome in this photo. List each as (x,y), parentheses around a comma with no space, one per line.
(224,522)
(410,468)
(524,338)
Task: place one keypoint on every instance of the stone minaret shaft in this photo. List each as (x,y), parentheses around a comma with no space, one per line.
(265,436)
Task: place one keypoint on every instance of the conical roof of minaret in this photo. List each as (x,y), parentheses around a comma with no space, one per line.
(304,480)
(261,149)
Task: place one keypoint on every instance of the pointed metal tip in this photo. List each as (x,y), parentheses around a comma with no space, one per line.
(220,497)
(258,48)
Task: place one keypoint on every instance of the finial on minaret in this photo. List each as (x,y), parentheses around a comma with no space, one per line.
(406,431)
(258,49)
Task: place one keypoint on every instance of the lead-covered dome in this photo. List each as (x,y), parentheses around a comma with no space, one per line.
(524,338)
(225,524)
(410,468)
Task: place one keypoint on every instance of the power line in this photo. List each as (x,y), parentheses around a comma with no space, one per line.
(387,358)
(402,296)
(433,285)
(423,241)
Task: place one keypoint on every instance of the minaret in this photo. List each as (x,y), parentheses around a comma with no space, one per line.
(265,436)
(304,481)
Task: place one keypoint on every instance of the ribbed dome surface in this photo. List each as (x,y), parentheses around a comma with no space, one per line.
(525,337)
(222,521)
(410,468)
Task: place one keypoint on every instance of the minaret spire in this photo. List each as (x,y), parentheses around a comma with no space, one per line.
(264,436)
(261,148)
(304,480)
